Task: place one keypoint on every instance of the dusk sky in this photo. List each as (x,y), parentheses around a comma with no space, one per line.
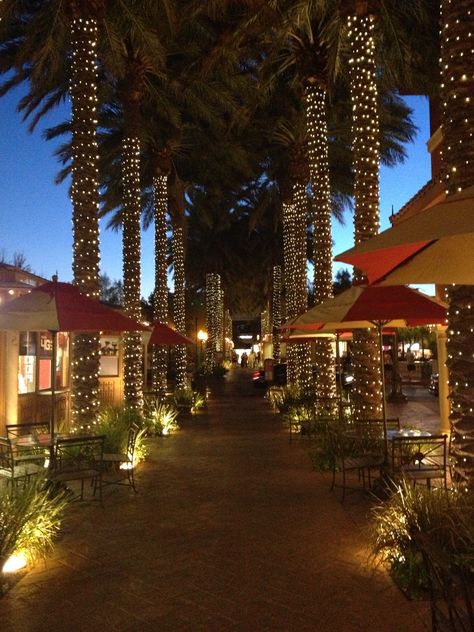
(35,216)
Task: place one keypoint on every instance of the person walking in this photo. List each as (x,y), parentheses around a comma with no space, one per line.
(410,359)
(252,358)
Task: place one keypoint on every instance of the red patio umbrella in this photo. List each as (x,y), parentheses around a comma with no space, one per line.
(362,306)
(162,334)
(56,306)
(434,246)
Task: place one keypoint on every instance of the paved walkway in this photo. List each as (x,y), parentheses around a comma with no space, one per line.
(231,531)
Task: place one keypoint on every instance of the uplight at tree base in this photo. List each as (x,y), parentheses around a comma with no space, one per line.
(14,563)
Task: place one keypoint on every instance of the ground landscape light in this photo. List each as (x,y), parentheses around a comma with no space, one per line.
(14,563)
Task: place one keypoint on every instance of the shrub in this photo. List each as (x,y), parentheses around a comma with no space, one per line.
(161,417)
(30,518)
(187,398)
(446,517)
(114,422)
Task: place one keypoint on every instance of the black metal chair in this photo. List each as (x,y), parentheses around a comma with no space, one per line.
(124,461)
(79,458)
(10,470)
(357,454)
(24,439)
(420,458)
(451,587)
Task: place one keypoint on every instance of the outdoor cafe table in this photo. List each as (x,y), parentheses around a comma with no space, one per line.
(42,440)
(372,439)
(30,442)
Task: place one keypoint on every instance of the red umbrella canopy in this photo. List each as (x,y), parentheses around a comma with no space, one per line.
(57,306)
(433,246)
(164,335)
(364,306)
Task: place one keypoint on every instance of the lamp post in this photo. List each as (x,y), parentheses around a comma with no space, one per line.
(202,337)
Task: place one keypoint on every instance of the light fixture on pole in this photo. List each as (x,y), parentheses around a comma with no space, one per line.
(202,337)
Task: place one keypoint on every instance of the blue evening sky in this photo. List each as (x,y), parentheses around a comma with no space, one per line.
(35,217)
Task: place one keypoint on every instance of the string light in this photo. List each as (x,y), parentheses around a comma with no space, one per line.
(160,308)
(276,313)
(213,304)
(132,349)
(294,243)
(366,153)
(85,201)
(289,274)
(179,305)
(318,157)
(457,88)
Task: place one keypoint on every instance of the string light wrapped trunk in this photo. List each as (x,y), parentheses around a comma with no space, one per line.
(276,313)
(179,304)
(160,308)
(318,161)
(85,200)
(366,151)
(457,89)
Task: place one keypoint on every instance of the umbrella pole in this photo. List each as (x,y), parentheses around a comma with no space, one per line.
(384,404)
(339,366)
(54,335)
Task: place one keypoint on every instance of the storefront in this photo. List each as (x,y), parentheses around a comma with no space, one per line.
(34,376)
(25,364)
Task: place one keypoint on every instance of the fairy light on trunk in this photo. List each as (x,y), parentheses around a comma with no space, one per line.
(179,305)
(132,354)
(85,200)
(276,313)
(289,215)
(213,292)
(303,350)
(457,90)
(160,313)
(318,159)
(366,150)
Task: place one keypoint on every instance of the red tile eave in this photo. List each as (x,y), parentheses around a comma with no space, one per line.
(429,195)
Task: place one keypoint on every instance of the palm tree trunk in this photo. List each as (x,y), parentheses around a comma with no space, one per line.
(458,160)
(318,159)
(304,369)
(160,313)
(132,358)
(213,292)
(289,275)
(294,244)
(276,313)
(85,200)
(365,125)
(179,305)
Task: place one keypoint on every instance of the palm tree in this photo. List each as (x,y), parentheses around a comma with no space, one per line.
(295,219)
(301,49)
(458,159)
(366,159)
(177,205)
(36,46)
(359,19)
(132,92)
(160,312)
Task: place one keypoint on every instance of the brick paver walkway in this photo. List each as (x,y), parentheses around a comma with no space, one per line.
(231,530)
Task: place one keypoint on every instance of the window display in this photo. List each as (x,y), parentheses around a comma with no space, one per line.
(34,361)
(109,359)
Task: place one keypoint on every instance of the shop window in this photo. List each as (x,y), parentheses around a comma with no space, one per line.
(62,360)
(34,361)
(109,358)
(27,362)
